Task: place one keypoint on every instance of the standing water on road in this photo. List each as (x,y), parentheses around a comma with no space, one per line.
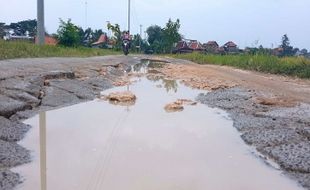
(98,145)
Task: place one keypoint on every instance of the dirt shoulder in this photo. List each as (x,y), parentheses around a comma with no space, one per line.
(281,87)
(271,112)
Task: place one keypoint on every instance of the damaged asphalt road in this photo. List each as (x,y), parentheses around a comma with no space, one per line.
(28,86)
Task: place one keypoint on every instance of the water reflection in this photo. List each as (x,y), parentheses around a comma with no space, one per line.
(168,84)
(42,121)
(154,78)
(145,66)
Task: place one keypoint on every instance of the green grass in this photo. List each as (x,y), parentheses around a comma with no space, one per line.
(290,66)
(12,50)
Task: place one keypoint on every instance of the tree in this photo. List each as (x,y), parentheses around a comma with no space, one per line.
(171,34)
(83,36)
(30,26)
(117,35)
(162,40)
(258,51)
(20,28)
(155,33)
(285,45)
(69,34)
(86,36)
(157,47)
(135,42)
(155,38)
(2,33)
(304,52)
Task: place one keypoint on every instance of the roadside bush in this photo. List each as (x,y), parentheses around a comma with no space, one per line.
(291,66)
(68,34)
(11,50)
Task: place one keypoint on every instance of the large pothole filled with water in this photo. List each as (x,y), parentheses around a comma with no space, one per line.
(101,145)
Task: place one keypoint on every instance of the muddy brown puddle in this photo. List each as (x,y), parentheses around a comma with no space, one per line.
(97,145)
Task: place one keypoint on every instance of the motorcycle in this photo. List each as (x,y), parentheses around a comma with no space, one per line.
(126,46)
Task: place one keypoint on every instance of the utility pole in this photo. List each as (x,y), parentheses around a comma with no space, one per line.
(140,42)
(129,16)
(40,23)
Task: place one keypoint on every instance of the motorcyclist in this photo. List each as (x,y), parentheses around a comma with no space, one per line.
(126,42)
(126,36)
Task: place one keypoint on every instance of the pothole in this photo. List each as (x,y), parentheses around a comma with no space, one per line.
(98,145)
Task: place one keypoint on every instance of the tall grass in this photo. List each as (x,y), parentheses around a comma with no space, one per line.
(291,66)
(10,50)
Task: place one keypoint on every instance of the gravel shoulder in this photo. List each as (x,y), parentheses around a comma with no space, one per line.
(271,112)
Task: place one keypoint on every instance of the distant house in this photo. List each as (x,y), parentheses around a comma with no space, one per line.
(19,38)
(49,40)
(182,47)
(195,45)
(277,51)
(8,33)
(103,39)
(211,46)
(11,36)
(302,53)
(221,50)
(231,47)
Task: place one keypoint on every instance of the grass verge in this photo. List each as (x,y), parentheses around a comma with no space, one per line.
(290,66)
(12,50)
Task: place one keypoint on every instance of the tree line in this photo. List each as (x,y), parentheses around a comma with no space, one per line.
(159,39)
(21,28)
(284,50)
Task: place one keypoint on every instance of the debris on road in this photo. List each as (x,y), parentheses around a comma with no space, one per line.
(178,105)
(174,107)
(120,98)
(186,102)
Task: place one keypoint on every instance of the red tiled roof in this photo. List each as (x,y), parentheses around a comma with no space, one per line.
(212,43)
(181,45)
(230,44)
(195,45)
(102,39)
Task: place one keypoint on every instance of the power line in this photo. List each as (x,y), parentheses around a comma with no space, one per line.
(85,15)
(135,16)
(129,16)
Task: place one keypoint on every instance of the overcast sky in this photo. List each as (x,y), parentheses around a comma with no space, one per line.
(247,22)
